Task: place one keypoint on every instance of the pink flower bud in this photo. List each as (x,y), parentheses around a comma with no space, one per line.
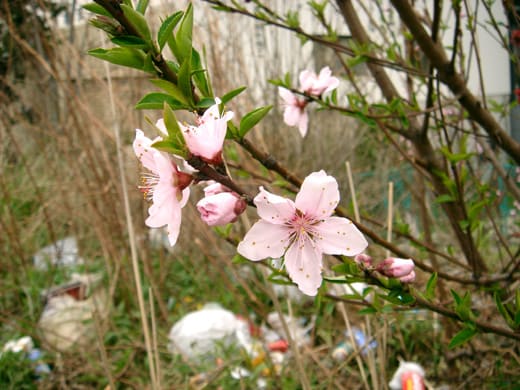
(214,188)
(410,278)
(396,268)
(364,259)
(221,209)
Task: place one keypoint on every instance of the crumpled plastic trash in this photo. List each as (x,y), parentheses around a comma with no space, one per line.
(198,334)
(68,319)
(408,376)
(299,332)
(61,253)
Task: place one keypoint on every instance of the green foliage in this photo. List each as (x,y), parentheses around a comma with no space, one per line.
(232,94)
(156,100)
(172,89)
(138,21)
(183,38)
(96,9)
(166,29)
(16,372)
(462,337)
(130,41)
(125,56)
(431,286)
(251,119)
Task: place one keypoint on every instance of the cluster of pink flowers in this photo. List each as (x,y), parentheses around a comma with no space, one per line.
(311,85)
(300,231)
(166,184)
(393,267)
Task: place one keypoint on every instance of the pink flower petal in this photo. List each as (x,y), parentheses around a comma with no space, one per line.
(318,196)
(273,208)
(292,115)
(143,150)
(264,240)
(303,262)
(339,236)
(287,96)
(307,79)
(303,123)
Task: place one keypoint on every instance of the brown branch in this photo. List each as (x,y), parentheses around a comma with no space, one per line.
(454,81)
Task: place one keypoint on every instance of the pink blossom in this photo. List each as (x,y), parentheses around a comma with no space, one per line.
(302,231)
(398,268)
(207,138)
(294,113)
(316,85)
(364,259)
(221,208)
(164,185)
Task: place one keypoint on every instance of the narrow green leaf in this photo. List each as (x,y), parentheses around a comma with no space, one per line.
(184,77)
(168,146)
(368,310)
(125,56)
(183,38)
(251,119)
(199,74)
(503,310)
(171,89)
(444,198)
(430,286)
(141,7)
(166,29)
(138,21)
(155,101)
(96,9)
(231,94)
(130,41)
(172,125)
(205,102)
(462,336)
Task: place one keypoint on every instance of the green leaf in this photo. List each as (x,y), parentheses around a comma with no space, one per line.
(232,132)
(166,29)
(183,38)
(231,94)
(168,146)
(463,306)
(141,6)
(199,74)
(172,126)
(184,77)
(251,119)
(430,286)
(171,89)
(462,336)
(156,100)
(96,9)
(444,198)
(503,310)
(205,102)
(138,21)
(125,56)
(239,259)
(368,310)
(130,41)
